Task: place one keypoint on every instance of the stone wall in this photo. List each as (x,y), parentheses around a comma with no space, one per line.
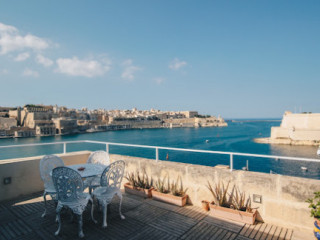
(295,134)
(140,124)
(301,120)
(296,129)
(25,174)
(7,123)
(283,197)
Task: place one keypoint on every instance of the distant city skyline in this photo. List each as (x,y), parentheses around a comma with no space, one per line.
(239,59)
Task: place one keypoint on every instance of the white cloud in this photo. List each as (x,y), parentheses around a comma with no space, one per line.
(22,57)
(29,72)
(3,71)
(129,70)
(176,64)
(44,61)
(7,28)
(85,68)
(11,40)
(159,80)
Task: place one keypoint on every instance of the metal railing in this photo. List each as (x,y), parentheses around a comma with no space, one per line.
(107,144)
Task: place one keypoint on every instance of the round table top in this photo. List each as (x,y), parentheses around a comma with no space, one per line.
(90,169)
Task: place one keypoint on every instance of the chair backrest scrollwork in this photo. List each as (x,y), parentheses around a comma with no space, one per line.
(68,184)
(100,157)
(113,174)
(47,164)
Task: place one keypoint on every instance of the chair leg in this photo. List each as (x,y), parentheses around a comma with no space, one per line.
(45,204)
(104,224)
(91,200)
(120,196)
(80,232)
(71,216)
(58,210)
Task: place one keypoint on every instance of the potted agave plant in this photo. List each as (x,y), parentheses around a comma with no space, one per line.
(314,205)
(173,193)
(139,184)
(234,205)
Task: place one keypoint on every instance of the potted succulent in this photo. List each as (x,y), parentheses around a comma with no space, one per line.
(170,192)
(314,205)
(139,184)
(234,205)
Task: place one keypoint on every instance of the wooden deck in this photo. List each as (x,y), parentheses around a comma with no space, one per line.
(145,219)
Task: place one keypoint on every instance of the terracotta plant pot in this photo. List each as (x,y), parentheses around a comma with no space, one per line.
(169,198)
(205,205)
(232,214)
(142,192)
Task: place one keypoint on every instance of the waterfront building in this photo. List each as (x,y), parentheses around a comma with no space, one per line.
(51,120)
(21,132)
(45,129)
(65,125)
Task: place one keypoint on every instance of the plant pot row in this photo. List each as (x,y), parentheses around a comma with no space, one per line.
(164,197)
(228,213)
(216,211)
(142,192)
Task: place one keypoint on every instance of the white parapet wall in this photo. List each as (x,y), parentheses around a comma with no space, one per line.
(25,174)
(283,197)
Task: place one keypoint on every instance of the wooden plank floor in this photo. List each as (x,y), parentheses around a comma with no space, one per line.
(20,219)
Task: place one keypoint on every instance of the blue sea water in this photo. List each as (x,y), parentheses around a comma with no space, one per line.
(237,137)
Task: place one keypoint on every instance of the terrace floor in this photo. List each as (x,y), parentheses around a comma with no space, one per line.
(145,219)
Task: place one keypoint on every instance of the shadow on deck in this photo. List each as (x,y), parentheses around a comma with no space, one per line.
(145,219)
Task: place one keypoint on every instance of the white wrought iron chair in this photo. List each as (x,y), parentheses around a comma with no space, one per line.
(69,185)
(111,179)
(47,164)
(97,157)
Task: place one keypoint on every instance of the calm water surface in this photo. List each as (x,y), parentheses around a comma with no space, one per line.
(237,137)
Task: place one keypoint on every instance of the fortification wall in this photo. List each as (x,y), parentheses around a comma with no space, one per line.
(301,121)
(6,123)
(296,129)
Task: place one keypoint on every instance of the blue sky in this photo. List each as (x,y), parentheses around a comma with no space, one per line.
(234,58)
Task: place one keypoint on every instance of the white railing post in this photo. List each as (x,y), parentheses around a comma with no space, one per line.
(64,148)
(157,154)
(107,148)
(231,162)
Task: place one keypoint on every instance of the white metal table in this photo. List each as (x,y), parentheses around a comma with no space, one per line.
(89,169)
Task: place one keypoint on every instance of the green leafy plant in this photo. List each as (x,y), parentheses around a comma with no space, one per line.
(131,177)
(219,193)
(177,190)
(148,182)
(314,205)
(162,186)
(145,181)
(140,180)
(239,200)
(235,199)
